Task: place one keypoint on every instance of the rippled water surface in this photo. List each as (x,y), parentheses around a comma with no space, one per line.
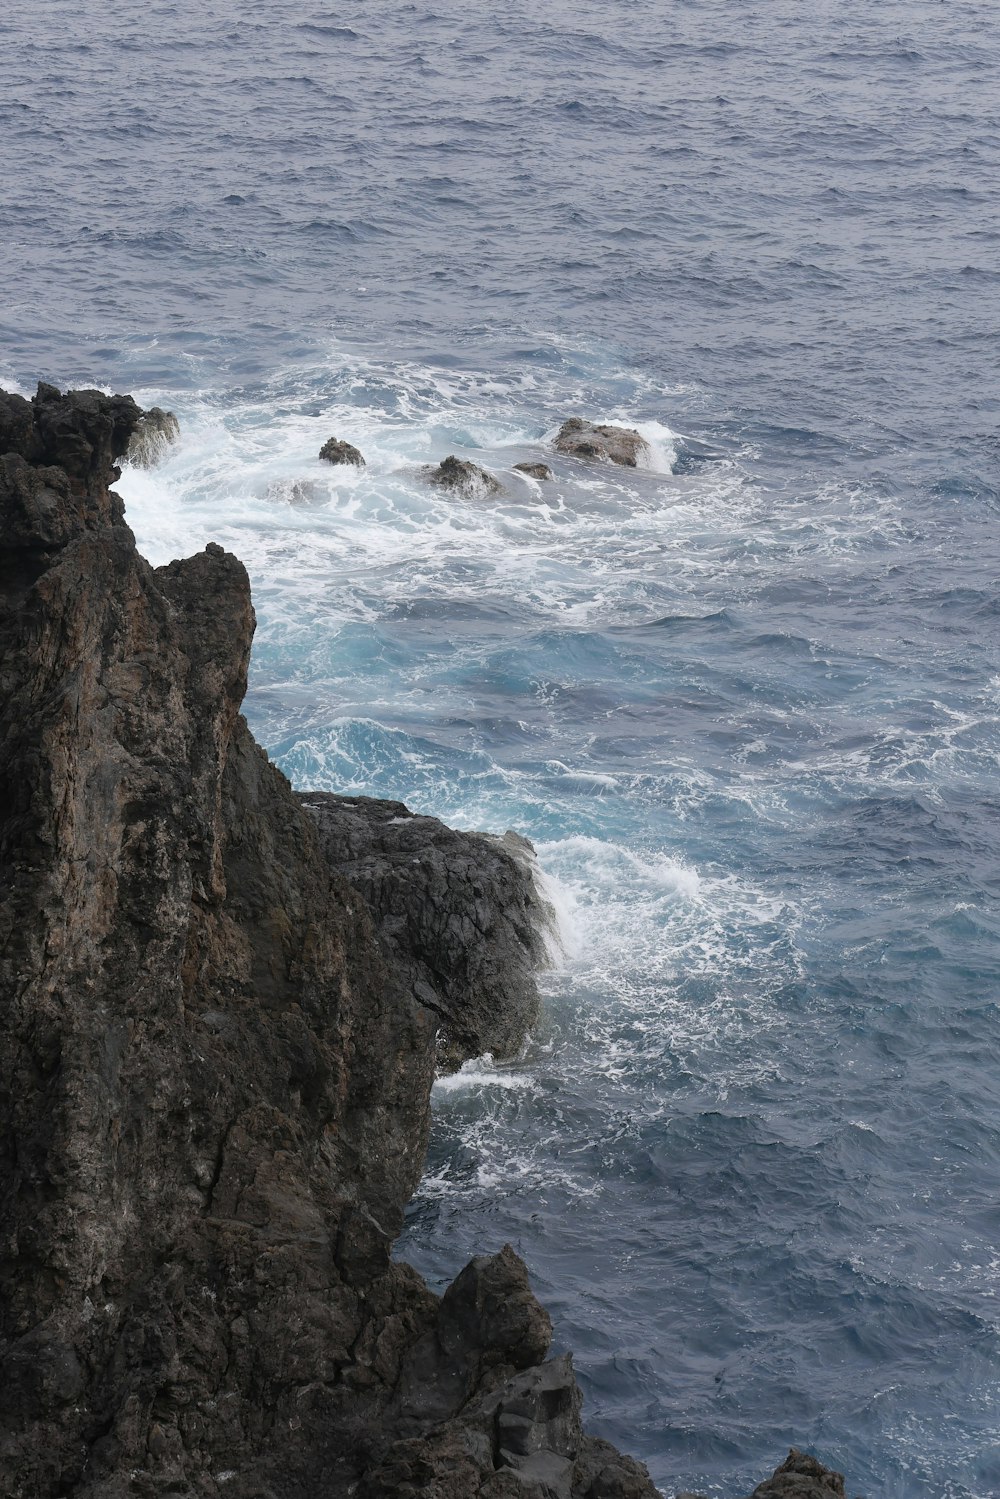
(745,701)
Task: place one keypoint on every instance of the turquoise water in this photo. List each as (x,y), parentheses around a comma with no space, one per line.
(746,702)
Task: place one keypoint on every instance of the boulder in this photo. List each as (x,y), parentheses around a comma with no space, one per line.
(463,478)
(621,445)
(534,470)
(801,1476)
(336,451)
(157,430)
(459,913)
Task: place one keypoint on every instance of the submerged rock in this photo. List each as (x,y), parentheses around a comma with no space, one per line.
(534,470)
(297,492)
(336,451)
(156,431)
(463,478)
(621,445)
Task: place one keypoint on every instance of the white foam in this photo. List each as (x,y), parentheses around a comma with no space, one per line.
(13,387)
(479,1073)
(662,441)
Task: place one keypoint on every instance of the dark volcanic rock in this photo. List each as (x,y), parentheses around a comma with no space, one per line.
(534,470)
(335,451)
(459,914)
(621,445)
(463,478)
(155,432)
(801,1477)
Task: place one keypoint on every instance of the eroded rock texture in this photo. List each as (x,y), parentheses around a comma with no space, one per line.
(534,470)
(334,450)
(215,1064)
(459,476)
(621,445)
(459,913)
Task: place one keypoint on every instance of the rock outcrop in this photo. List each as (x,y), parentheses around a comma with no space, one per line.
(216,1055)
(155,432)
(336,451)
(621,445)
(799,1477)
(463,478)
(459,914)
(534,470)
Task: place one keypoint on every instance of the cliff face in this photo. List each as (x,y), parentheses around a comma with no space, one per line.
(216,1059)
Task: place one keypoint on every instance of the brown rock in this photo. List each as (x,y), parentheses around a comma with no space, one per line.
(621,445)
(463,478)
(335,451)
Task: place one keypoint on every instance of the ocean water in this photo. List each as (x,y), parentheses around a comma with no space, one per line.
(746,702)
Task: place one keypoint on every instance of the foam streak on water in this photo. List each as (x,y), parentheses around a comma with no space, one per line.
(744,699)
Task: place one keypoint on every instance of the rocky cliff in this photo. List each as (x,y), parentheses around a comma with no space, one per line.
(221,1006)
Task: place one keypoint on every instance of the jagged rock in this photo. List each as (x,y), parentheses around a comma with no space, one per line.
(336,451)
(521,1438)
(216,1060)
(463,478)
(157,430)
(621,445)
(801,1477)
(488,1319)
(56,460)
(459,913)
(602,1472)
(534,470)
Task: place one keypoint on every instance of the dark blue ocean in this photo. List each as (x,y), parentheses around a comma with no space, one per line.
(746,702)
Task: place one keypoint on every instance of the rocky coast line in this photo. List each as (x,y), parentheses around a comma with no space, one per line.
(221,1009)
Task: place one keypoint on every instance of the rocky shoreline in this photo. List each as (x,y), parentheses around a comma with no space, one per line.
(223,1007)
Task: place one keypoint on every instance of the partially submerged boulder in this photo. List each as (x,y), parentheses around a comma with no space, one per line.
(334,450)
(621,445)
(463,478)
(534,470)
(156,432)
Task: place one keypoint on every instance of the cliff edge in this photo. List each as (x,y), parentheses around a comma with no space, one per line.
(216,1067)
(216,1055)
